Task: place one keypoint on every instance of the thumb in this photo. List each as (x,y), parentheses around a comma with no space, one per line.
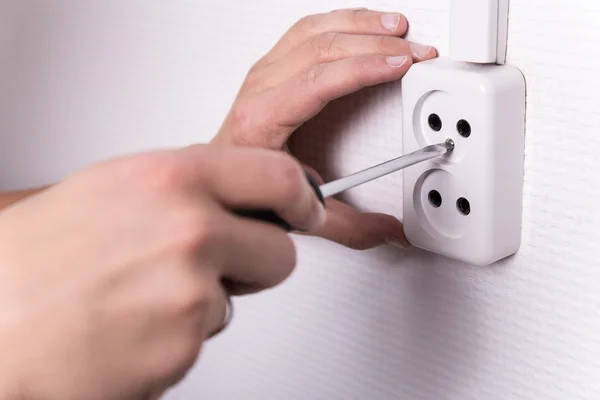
(360,231)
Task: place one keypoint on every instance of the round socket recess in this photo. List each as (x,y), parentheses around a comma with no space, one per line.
(440,115)
(435,197)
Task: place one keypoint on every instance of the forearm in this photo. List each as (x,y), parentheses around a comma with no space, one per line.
(9,198)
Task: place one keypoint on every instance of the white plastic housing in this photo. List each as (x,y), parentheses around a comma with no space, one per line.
(485,168)
(478,30)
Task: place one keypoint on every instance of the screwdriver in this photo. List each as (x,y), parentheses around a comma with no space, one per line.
(343,184)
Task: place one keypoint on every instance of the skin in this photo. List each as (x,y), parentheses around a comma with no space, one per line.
(133,260)
(321,58)
(117,276)
(8,199)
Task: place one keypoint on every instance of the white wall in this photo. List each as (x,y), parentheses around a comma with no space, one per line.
(81,80)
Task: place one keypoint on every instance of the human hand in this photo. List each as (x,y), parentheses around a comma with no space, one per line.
(321,58)
(111,280)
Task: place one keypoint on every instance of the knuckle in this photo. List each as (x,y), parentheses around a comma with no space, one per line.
(345,10)
(255,68)
(306,27)
(241,122)
(183,351)
(182,355)
(361,64)
(355,17)
(253,125)
(186,305)
(360,69)
(158,171)
(193,296)
(197,230)
(304,24)
(254,77)
(314,74)
(240,114)
(186,352)
(324,45)
(384,43)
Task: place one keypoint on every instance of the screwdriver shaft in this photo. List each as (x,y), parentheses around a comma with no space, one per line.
(359,178)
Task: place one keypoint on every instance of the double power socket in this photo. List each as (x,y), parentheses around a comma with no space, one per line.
(466,205)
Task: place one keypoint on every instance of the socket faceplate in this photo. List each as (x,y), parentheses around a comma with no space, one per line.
(466,205)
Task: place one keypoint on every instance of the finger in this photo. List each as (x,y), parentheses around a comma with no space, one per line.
(361,231)
(303,96)
(354,21)
(236,288)
(216,318)
(334,46)
(346,226)
(201,323)
(156,394)
(257,255)
(252,178)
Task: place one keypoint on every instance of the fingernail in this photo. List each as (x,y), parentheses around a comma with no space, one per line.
(420,51)
(397,61)
(394,242)
(390,21)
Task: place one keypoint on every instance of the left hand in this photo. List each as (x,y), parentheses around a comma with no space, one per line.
(321,58)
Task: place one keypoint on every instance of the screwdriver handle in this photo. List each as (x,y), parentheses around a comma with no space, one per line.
(271,217)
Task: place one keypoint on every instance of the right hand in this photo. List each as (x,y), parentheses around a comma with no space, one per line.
(111,281)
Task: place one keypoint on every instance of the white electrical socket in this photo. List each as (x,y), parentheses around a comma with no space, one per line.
(466,205)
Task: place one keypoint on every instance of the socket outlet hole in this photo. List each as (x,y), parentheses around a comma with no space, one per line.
(435,198)
(463,205)
(435,122)
(464,128)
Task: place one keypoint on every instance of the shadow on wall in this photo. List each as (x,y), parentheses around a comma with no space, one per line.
(320,143)
(443,318)
(318,139)
(418,331)
(438,309)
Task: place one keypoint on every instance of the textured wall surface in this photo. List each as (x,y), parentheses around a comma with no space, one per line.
(81,80)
